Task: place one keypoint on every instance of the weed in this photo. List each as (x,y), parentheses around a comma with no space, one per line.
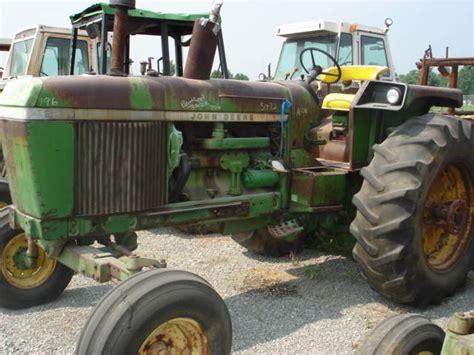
(311,271)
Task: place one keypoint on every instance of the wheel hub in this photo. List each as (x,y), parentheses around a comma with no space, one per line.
(452,216)
(20,259)
(16,269)
(447,219)
(179,336)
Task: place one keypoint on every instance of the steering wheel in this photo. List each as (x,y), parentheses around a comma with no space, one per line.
(317,70)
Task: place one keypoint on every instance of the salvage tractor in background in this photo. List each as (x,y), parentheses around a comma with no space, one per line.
(44,51)
(93,159)
(349,43)
(415,334)
(41,51)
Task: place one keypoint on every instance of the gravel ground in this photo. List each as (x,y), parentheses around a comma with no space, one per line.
(313,303)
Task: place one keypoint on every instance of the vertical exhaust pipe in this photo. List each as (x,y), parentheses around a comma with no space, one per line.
(203,46)
(120,34)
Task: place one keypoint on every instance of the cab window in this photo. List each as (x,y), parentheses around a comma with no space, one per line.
(20,55)
(373,51)
(108,55)
(290,55)
(56,58)
(345,50)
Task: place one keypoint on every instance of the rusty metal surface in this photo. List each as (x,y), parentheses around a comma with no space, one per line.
(125,3)
(120,167)
(332,150)
(201,52)
(108,92)
(447,62)
(305,111)
(119,39)
(425,65)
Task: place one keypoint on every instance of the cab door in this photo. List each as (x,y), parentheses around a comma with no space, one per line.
(373,49)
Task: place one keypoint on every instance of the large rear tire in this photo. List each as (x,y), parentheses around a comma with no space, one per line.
(407,334)
(414,226)
(172,311)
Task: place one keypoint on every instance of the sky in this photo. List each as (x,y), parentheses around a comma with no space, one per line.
(249,27)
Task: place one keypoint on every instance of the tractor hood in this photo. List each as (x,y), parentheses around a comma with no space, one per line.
(146,98)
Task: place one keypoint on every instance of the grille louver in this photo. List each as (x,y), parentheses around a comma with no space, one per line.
(120,167)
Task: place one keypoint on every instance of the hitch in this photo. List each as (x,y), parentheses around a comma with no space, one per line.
(103,264)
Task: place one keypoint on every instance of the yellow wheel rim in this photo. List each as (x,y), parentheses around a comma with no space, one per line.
(16,271)
(447,218)
(179,336)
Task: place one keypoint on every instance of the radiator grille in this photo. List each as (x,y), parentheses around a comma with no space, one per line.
(120,167)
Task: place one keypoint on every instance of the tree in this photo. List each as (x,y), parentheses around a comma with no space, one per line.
(172,68)
(412,77)
(216,74)
(240,76)
(434,79)
(466,80)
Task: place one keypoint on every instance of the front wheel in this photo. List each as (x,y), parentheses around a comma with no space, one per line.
(409,334)
(415,220)
(23,285)
(159,311)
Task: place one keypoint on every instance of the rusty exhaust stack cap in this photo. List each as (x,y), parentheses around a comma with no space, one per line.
(214,17)
(203,46)
(129,4)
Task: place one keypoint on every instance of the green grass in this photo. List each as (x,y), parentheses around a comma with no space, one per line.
(467,108)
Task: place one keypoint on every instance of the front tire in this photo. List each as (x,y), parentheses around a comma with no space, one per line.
(22,286)
(408,334)
(414,228)
(161,310)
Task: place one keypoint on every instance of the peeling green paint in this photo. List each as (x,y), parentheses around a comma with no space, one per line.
(140,96)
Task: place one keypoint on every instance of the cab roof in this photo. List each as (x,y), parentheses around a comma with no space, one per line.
(103,8)
(323,27)
(143,22)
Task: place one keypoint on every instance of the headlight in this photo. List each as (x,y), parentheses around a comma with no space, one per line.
(394,96)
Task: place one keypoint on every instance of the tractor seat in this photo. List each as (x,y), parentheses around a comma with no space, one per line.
(343,102)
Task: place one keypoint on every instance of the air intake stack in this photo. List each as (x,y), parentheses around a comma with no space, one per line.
(203,46)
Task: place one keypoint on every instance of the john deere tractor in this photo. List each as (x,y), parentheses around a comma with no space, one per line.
(93,159)
(415,334)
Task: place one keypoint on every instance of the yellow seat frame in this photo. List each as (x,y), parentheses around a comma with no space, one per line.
(343,102)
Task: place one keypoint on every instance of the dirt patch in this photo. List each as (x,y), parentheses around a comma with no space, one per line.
(270,282)
(207,241)
(373,312)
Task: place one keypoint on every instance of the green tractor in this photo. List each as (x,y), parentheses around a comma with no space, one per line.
(93,159)
(44,51)
(415,334)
